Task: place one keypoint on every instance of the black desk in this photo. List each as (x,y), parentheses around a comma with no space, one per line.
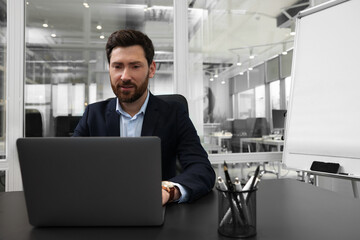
(287,209)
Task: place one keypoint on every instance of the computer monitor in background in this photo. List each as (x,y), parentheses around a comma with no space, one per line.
(227,126)
(65,125)
(278,119)
(261,127)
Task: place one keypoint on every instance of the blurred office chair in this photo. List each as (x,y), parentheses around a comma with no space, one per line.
(65,125)
(261,127)
(175,98)
(33,123)
(180,99)
(227,126)
(239,131)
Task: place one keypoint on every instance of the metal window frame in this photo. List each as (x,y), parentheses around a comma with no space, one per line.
(14,90)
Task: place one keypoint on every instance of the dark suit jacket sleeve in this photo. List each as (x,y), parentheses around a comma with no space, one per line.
(198,175)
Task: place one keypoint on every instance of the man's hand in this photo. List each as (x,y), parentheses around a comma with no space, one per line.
(166,195)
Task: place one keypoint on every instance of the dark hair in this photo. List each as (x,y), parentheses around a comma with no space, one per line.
(127,38)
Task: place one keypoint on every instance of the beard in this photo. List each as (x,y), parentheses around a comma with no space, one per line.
(130,96)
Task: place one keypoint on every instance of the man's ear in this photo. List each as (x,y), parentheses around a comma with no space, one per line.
(152,69)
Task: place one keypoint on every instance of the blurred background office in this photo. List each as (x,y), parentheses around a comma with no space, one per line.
(231,59)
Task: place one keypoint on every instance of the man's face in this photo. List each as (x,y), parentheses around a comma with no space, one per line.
(129,73)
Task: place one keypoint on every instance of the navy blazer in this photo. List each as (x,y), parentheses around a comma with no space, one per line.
(179,139)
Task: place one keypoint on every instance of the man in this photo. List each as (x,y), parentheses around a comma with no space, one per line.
(136,112)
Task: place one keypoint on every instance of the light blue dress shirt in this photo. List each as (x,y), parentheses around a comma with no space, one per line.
(131,127)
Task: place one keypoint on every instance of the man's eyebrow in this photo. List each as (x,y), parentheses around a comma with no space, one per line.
(135,62)
(115,63)
(131,63)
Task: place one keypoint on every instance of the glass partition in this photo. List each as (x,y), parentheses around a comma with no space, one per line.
(236,47)
(3,29)
(230,43)
(66,65)
(275,94)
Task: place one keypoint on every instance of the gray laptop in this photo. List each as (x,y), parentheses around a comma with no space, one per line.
(92,181)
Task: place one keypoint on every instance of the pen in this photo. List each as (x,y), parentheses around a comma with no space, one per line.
(228,179)
(255,177)
(226,217)
(222,185)
(237,184)
(242,200)
(231,210)
(231,188)
(232,192)
(254,180)
(238,189)
(248,184)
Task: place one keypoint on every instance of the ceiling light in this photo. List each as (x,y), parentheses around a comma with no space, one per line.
(85,4)
(241,73)
(292,32)
(238,63)
(223,82)
(211,79)
(102,36)
(250,68)
(53,35)
(45,24)
(99,27)
(252,56)
(215,76)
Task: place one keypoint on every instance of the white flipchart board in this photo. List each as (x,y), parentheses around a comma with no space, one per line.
(323,120)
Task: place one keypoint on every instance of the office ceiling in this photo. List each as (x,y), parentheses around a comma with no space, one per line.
(228,28)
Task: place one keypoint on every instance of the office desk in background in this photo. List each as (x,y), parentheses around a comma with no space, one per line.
(286,209)
(220,136)
(258,141)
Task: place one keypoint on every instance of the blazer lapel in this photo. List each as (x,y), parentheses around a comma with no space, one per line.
(112,119)
(150,118)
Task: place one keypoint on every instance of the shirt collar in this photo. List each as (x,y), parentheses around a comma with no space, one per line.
(142,110)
